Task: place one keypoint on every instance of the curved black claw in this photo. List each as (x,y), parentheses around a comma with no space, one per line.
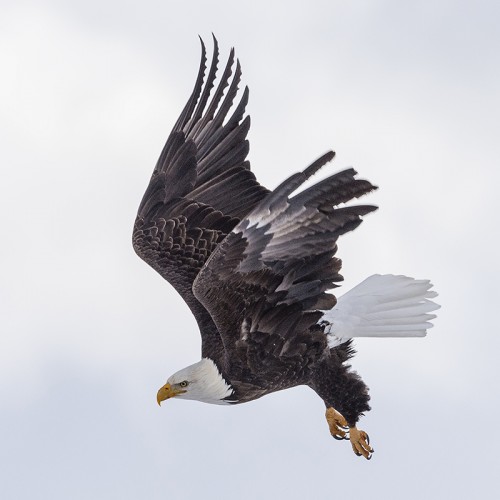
(340,438)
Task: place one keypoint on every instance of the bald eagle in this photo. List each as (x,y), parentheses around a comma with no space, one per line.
(255,266)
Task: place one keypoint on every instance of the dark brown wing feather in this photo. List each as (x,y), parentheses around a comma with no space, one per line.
(200,188)
(265,285)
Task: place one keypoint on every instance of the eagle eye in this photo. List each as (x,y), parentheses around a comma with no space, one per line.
(184,383)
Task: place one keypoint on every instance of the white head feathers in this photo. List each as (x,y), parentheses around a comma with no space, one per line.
(205,383)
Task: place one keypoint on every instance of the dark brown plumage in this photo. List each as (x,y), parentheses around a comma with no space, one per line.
(201,188)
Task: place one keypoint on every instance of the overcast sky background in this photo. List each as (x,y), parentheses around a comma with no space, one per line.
(406,92)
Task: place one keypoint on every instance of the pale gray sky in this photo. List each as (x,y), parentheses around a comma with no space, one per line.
(406,92)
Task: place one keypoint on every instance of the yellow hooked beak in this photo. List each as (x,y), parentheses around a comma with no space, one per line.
(167,392)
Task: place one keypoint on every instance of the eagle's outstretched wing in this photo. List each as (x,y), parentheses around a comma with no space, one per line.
(200,188)
(265,285)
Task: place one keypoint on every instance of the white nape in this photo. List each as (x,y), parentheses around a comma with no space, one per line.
(205,383)
(382,306)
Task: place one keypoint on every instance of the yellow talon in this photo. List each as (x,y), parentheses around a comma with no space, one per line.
(360,443)
(337,423)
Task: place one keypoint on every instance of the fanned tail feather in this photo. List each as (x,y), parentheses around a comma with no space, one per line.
(382,306)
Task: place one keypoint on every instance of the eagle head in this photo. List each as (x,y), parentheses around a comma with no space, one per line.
(201,382)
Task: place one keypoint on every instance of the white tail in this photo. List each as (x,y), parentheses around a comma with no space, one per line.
(382,306)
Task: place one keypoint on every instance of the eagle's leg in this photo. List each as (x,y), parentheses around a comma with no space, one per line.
(337,423)
(346,399)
